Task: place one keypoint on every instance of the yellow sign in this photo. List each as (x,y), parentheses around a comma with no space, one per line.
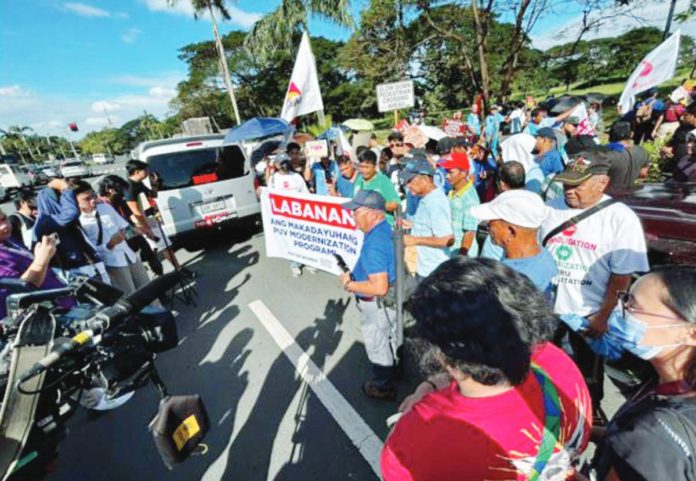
(186,430)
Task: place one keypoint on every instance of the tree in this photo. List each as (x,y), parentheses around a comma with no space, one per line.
(210,6)
(14,133)
(282,28)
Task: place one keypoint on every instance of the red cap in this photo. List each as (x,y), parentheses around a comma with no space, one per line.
(455,160)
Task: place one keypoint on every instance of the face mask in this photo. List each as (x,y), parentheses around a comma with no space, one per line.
(627,333)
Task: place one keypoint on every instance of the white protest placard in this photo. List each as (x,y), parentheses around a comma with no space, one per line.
(316,149)
(395,96)
(309,229)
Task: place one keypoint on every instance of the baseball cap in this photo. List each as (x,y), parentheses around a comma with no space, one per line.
(519,207)
(416,166)
(573,121)
(584,166)
(455,160)
(366,198)
(444,145)
(546,133)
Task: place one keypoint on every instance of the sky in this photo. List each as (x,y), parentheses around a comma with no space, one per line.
(100,63)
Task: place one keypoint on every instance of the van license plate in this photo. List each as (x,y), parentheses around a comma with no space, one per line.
(212,207)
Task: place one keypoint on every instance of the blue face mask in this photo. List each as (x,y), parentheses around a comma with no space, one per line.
(626,334)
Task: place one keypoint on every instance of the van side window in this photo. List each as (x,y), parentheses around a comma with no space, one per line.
(176,170)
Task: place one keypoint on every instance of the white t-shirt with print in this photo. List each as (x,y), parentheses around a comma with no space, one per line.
(290,181)
(610,241)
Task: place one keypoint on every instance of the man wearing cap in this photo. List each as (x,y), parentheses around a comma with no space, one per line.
(596,256)
(547,155)
(431,226)
(461,198)
(371,277)
(628,162)
(285,178)
(514,219)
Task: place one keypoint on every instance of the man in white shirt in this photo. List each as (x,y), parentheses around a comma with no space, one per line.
(284,178)
(596,256)
(106,230)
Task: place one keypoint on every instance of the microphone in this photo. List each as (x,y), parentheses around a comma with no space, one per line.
(105,318)
(342,265)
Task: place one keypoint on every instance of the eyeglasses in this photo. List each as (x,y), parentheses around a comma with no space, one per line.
(626,297)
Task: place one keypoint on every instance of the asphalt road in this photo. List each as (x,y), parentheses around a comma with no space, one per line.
(250,369)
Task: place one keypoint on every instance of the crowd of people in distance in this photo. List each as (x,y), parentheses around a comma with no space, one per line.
(69,230)
(523,261)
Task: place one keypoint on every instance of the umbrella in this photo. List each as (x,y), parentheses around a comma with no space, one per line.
(558,105)
(359,124)
(257,128)
(595,98)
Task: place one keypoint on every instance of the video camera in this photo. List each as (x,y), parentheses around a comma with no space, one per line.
(53,360)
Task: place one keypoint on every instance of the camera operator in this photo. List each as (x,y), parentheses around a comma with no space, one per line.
(16,262)
(372,275)
(59,216)
(147,220)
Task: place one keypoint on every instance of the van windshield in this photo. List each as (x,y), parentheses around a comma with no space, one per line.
(176,170)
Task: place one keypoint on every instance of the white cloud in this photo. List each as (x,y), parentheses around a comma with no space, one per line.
(102,105)
(85,10)
(121,15)
(14,91)
(50,114)
(162,92)
(131,35)
(622,19)
(184,7)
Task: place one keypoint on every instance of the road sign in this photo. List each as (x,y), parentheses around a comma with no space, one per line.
(395,96)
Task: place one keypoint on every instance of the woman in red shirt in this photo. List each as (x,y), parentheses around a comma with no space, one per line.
(508,405)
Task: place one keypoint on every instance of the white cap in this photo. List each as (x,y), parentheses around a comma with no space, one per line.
(518,207)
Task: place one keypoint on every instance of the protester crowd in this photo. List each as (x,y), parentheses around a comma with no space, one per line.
(522,265)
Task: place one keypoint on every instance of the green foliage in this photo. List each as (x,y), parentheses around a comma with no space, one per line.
(658,163)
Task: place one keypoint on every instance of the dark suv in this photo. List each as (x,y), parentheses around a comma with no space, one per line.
(668,213)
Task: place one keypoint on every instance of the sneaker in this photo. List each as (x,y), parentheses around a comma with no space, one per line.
(296,271)
(370,389)
(311,270)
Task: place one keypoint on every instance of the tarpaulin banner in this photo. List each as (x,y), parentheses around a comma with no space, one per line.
(309,229)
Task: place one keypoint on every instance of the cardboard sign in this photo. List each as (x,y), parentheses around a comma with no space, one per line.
(316,149)
(414,136)
(395,96)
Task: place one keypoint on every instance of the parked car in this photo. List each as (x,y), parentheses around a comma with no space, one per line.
(3,194)
(668,213)
(13,178)
(101,159)
(202,183)
(49,172)
(74,169)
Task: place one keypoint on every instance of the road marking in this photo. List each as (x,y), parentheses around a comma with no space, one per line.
(357,430)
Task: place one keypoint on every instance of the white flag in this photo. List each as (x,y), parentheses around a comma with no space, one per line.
(346,149)
(657,67)
(303,94)
(584,127)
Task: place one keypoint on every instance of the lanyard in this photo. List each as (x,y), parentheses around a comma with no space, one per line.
(100,234)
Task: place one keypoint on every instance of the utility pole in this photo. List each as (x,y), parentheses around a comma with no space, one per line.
(672,5)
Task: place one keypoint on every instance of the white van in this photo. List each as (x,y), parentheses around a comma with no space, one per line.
(13,178)
(201,183)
